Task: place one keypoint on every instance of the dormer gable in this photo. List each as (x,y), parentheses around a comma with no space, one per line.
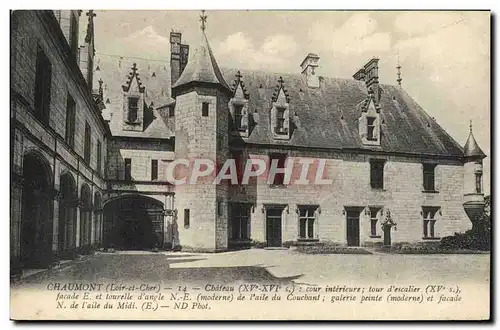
(369,120)
(133,102)
(242,123)
(280,112)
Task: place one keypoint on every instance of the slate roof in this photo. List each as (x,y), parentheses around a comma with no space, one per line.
(328,115)
(201,67)
(154,77)
(472,149)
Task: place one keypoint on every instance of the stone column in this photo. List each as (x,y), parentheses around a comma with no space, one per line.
(77,225)
(55,223)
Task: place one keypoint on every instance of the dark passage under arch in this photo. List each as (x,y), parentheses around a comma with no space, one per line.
(133,223)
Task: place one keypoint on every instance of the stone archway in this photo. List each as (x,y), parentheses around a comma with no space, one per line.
(85,218)
(36,213)
(67,216)
(133,222)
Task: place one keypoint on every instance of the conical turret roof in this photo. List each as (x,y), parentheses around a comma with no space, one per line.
(202,67)
(471,148)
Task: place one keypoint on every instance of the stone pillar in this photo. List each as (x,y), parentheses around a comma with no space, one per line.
(55,223)
(77,225)
(93,218)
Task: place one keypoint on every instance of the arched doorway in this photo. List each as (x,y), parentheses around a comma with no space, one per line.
(133,222)
(67,216)
(36,223)
(85,217)
(97,219)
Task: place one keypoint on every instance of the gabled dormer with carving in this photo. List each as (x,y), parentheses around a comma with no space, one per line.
(370,122)
(242,123)
(133,102)
(280,112)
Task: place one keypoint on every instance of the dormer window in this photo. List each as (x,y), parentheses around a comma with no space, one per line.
(370,127)
(238,109)
(280,121)
(133,109)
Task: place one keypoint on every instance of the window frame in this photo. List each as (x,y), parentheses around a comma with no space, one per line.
(99,157)
(426,173)
(307,222)
(479,184)
(128,169)
(429,222)
(280,121)
(281,181)
(154,169)
(87,147)
(374,220)
(377,181)
(240,215)
(43,82)
(205,109)
(133,111)
(69,136)
(370,128)
(237,116)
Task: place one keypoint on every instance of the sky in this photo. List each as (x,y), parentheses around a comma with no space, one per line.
(445,56)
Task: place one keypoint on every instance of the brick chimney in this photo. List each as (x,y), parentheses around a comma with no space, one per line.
(309,65)
(369,74)
(179,54)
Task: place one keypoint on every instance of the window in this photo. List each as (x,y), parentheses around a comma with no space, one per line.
(204,109)
(240,221)
(128,169)
(377,173)
(220,211)
(306,221)
(171,111)
(370,129)
(154,169)
(70,121)
(133,108)
(429,177)
(186,218)
(478,183)
(279,178)
(99,157)
(238,110)
(43,77)
(280,121)
(87,146)
(429,221)
(373,221)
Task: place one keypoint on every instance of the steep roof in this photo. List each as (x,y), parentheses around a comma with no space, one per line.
(116,71)
(328,115)
(202,67)
(471,148)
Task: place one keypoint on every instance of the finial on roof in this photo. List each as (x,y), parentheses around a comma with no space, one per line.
(203,20)
(134,67)
(470,126)
(399,72)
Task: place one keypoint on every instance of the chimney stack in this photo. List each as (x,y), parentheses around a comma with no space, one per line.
(309,65)
(369,74)
(179,54)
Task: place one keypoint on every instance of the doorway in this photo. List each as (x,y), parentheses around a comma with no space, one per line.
(352,227)
(273,226)
(387,235)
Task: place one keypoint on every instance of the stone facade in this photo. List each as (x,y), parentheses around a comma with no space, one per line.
(41,141)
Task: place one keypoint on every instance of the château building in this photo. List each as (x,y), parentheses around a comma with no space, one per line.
(93,136)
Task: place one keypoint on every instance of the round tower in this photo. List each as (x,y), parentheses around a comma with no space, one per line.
(201,133)
(473,178)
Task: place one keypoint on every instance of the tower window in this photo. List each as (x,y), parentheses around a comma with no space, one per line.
(204,109)
(186,218)
(429,177)
(478,183)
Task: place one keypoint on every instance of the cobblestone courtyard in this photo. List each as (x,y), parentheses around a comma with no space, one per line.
(271,266)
